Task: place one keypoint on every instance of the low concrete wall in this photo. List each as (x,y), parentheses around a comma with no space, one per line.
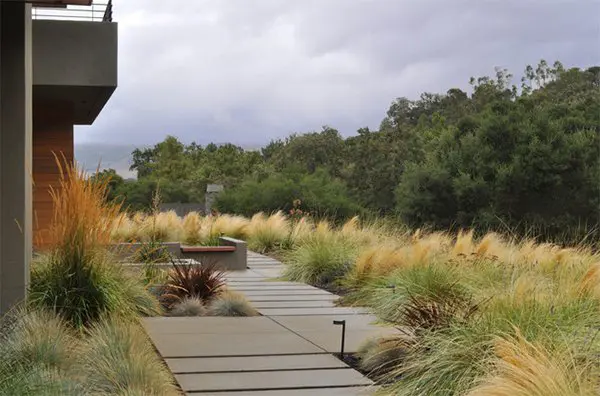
(230,261)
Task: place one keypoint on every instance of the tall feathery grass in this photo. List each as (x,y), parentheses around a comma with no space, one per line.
(77,276)
(322,259)
(191,229)
(459,298)
(523,368)
(267,233)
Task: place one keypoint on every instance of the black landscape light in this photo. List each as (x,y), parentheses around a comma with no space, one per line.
(393,287)
(343,324)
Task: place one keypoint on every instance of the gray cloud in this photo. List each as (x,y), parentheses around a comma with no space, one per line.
(248,71)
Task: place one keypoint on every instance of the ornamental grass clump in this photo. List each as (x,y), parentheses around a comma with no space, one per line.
(37,354)
(323,259)
(231,304)
(188,306)
(378,356)
(230,226)
(191,229)
(118,358)
(266,234)
(76,276)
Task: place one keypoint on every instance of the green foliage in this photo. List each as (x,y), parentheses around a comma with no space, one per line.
(520,161)
(321,195)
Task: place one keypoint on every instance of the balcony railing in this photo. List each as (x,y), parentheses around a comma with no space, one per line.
(98,11)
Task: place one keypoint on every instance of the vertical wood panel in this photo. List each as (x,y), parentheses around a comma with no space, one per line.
(52,133)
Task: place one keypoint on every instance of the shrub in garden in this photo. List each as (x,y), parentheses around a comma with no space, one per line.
(231,304)
(203,281)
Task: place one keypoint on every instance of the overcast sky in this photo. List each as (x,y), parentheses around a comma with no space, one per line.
(246,71)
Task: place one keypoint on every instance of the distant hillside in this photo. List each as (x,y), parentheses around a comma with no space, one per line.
(116,156)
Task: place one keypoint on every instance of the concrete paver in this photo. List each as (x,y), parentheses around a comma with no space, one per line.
(285,311)
(266,286)
(284,292)
(264,283)
(294,304)
(271,380)
(300,297)
(270,273)
(199,345)
(210,325)
(253,363)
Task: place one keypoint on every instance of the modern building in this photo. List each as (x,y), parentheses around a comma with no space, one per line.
(58,68)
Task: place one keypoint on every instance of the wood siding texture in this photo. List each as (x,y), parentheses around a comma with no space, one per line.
(52,134)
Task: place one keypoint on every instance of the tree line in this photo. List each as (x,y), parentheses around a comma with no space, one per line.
(502,156)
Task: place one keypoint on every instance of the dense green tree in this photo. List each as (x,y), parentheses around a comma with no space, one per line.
(114,182)
(522,159)
(320,194)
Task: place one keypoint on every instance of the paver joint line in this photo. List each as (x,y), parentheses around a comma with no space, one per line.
(199,392)
(255,355)
(243,356)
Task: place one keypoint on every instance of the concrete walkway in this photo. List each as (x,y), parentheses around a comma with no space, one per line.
(287,351)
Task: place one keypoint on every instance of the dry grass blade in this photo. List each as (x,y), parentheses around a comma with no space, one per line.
(82,217)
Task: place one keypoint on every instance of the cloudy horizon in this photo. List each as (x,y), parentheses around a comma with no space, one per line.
(247,72)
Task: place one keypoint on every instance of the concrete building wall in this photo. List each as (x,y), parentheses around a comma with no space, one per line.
(74,53)
(15,152)
(52,134)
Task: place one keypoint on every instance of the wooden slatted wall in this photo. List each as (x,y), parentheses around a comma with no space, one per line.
(52,133)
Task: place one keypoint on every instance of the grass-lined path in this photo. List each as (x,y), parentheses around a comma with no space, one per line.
(287,351)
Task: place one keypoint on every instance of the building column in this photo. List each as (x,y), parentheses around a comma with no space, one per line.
(15,151)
